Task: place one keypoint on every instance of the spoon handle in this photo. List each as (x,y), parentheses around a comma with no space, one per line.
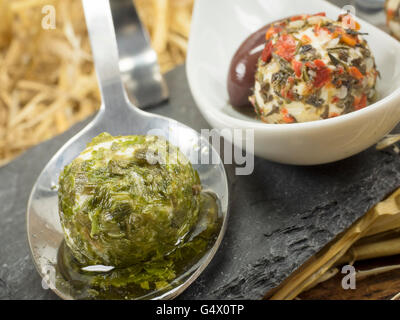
(103,41)
(140,71)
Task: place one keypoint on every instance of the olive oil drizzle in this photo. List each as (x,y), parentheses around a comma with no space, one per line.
(151,278)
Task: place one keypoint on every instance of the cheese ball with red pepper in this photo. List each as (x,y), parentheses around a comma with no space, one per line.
(393,16)
(313,68)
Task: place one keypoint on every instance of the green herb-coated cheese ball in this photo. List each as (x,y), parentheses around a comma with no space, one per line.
(127,199)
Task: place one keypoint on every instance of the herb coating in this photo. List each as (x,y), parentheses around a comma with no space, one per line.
(127,200)
(313,68)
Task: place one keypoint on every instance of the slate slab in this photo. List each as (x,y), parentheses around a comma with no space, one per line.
(280,215)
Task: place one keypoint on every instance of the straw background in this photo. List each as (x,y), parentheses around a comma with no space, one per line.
(47,79)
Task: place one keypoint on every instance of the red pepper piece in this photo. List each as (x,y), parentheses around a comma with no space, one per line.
(286,47)
(349,40)
(327,30)
(340,70)
(335,99)
(356,73)
(295,18)
(319,63)
(311,65)
(317,28)
(348,22)
(267,52)
(287,94)
(390,14)
(305,39)
(323,73)
(271,31)
(360,102)
(323,77)
(288,118)
(297,66)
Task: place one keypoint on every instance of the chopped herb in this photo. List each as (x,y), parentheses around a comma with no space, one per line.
(315,100)
(334,60)
(355,32)
(325,113)
(305,48)
(275,109)
(338,48)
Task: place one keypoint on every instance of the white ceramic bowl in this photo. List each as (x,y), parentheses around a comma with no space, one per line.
(219,27)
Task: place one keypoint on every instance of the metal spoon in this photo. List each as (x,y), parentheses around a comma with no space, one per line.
(118,117)
(138,64)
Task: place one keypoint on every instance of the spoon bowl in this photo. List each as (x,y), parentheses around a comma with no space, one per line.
(117,117)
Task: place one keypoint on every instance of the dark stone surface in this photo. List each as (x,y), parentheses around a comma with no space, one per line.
(280,215)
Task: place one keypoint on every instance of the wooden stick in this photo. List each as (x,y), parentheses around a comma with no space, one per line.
(317,266)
